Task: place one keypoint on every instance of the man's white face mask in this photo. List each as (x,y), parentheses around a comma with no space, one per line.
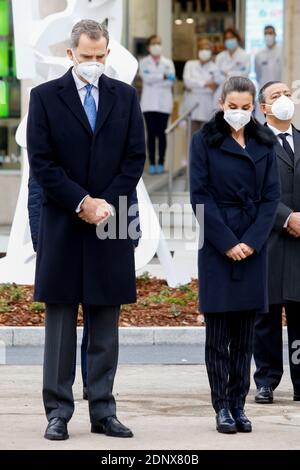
(283,108)
(90,71)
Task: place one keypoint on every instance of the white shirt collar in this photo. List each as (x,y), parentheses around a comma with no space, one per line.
(79,83)
(277,131)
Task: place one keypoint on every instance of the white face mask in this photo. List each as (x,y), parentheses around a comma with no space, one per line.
(269,40)
(237,118)
(90,71)
(283,108)
(204,55)
(155,49)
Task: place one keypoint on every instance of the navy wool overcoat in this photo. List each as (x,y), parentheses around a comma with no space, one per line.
(240,190)
(69,161)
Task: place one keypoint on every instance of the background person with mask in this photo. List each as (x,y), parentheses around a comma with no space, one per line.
(284,252)
(83,170)
(234,174)
(233,61)
(158,76)
(201,78)
(268,61)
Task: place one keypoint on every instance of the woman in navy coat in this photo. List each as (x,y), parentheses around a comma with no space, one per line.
(233,173)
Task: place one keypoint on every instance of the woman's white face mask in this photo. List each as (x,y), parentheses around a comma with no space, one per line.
(90,71)
(237,118)
(283,108)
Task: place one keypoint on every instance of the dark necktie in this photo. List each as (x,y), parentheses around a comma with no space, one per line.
(287,146)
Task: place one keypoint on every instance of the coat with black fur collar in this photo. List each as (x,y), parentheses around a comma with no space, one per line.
(240,191)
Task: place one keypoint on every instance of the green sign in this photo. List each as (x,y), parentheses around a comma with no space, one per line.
(4,59)
(4,111)
(4,18)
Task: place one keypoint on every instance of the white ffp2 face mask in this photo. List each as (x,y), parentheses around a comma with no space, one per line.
(237,118)
(283,108)
(90,71)
(155,49)
(269,40)
(205,55)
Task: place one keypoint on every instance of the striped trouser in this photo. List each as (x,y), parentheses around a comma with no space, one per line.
(228,352)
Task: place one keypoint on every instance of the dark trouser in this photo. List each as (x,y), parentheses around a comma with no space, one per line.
(268,345)
(102,360)
(156,125)
(228,352)
(84,344)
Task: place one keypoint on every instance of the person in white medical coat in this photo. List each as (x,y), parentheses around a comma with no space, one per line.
(158,76)
(268,61)
(233,61)
(201,79)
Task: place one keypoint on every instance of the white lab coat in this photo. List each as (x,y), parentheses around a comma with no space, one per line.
(195,76)
(157,94)
(237,64)
(268,65)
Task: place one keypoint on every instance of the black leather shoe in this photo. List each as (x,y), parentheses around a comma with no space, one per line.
(85,393)
(296,396)
(111,426)
(57,430)
(243,424)
(225,422)
(264,395)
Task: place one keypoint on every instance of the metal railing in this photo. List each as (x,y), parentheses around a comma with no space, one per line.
(170,131)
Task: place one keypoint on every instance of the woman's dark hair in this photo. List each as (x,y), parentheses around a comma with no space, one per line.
(150,39)
(234,33)
(239,84)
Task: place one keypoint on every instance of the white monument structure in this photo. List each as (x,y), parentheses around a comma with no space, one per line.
(35,40)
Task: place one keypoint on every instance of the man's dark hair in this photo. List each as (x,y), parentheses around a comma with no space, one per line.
(261,94)
(269,26)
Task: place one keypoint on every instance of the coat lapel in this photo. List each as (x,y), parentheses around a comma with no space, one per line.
(107,99)
(253,151)
(281,153)
(296,135)
(69,94)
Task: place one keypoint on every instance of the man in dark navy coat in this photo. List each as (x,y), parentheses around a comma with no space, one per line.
(284,253)
(34,213)
(86,148)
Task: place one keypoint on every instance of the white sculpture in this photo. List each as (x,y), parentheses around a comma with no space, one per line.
(34,38)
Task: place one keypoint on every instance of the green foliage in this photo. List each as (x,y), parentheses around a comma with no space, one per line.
(4,307)
(145,276)
(37,307)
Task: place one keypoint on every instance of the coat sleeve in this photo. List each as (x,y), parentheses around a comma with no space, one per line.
(34,209)
(152,77)
(283,213)
(258,233)
(43,163)
(132,164)
(189,81)
(215,229)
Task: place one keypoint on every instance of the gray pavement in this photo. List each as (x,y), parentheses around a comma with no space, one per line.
(129,354)
(167,406)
